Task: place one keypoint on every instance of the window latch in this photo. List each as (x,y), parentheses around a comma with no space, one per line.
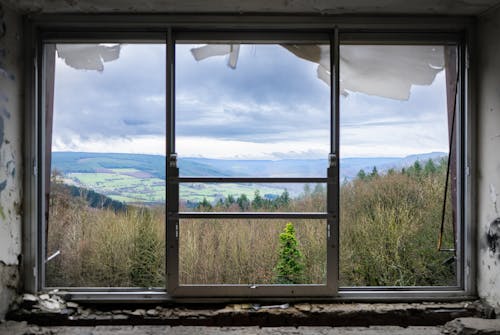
(172,160)
(332,160)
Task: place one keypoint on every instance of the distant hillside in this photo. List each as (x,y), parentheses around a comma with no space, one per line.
(135,178)
(154,165)
(93,199)
(87,162)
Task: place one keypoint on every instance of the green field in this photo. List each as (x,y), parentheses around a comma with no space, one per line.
(131,185)
(212,192)
(119,185)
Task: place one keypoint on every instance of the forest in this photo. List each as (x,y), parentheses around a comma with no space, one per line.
(389,226)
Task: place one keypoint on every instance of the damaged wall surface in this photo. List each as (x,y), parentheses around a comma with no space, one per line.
(488,144)
(488,131)
(10,155)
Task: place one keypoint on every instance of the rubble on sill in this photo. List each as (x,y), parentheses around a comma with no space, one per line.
(52,309)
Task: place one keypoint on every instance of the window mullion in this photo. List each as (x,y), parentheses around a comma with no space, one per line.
(172,173)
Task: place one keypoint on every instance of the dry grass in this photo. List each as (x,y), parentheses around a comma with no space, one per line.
(104,248)
(389,228)
(389,231)
(245,251)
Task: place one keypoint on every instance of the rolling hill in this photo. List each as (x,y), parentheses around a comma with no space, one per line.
(141,178)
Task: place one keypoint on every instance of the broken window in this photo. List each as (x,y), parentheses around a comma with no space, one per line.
(398,165)
(105,147)
(252,167)
(252,144)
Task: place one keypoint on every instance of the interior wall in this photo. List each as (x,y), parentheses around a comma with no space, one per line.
(488,153)
(488,150)
(10,155)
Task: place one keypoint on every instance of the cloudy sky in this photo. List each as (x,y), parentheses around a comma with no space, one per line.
(271,106)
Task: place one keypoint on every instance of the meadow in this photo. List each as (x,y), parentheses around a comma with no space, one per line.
(135,186)
(389,225)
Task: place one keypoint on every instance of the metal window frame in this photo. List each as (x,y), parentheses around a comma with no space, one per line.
(462,150)
(357,29)
(253,290)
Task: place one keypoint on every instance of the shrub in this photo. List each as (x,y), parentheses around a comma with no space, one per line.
(290,267)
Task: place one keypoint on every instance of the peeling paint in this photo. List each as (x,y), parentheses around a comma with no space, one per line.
(493,197)
(493,236)
(9,281)
(5,112)
(2,131)
(488,128)
(10,149)
(11,166)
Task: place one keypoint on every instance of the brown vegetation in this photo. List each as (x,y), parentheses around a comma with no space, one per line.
(388,233)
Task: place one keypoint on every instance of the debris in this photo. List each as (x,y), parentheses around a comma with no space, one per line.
(473,326)
(258,307)
(71,304)
(50,305)
(152,312)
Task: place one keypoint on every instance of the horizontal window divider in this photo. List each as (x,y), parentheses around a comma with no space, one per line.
(252,286)
(398,288)
(249,180)
(253,215)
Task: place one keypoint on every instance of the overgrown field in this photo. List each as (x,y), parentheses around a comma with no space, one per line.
(389,226)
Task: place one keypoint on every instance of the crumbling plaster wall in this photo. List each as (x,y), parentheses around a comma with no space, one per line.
(10,155)
(488,151)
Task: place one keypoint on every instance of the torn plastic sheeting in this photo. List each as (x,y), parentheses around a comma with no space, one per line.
(88,56)
(319,54)
(210,50)
(387,71)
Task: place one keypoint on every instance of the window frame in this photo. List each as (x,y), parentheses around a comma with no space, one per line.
(402,30)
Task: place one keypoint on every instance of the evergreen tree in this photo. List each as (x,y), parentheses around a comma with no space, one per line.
(145,270)
(205,205)
(319,189)
(307,190)
(243,202)
(290,267)
(283,200)
(417,168)
(374,172)
(230,200)
(258,201)
(361,174)
(430,167)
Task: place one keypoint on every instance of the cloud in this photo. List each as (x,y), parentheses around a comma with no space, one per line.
(233,149)
(137,145)
(375,126)
(272,105)
(270,96)
(125,99)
